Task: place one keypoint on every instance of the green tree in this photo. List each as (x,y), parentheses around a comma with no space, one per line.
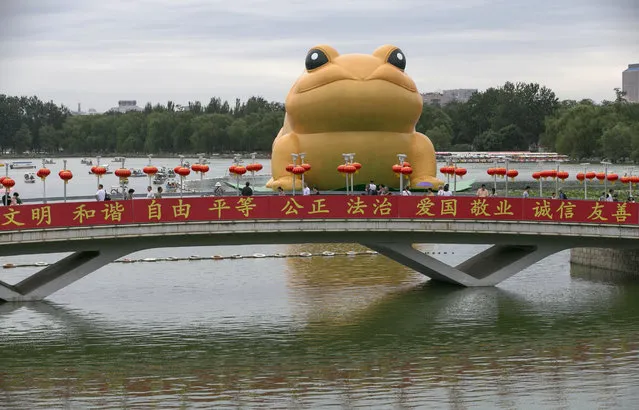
(22,139)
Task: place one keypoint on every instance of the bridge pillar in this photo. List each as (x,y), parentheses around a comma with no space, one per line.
(60,274)
(487,268)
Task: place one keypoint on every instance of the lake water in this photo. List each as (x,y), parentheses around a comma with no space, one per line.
(341,331)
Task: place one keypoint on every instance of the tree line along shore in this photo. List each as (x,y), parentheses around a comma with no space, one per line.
(515,116)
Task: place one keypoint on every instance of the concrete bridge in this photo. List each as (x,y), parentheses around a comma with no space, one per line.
(522,232)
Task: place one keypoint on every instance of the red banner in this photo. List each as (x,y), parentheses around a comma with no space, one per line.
(314,207)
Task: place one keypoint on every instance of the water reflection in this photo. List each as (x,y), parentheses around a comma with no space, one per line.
(410,344)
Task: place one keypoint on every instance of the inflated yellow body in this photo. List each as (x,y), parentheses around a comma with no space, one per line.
(353,103)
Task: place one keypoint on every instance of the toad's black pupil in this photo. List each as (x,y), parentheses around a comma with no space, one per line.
(315,58)
(397,59)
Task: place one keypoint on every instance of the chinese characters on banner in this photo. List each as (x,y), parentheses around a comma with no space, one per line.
(170,210)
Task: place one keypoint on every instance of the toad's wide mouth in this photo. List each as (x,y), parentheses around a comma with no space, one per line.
(335,73)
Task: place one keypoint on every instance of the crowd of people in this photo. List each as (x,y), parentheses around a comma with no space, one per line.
(9,199)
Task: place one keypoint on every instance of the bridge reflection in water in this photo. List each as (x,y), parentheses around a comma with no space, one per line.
(408,343)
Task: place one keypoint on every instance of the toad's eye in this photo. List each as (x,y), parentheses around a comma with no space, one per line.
(397,58)
(315,58)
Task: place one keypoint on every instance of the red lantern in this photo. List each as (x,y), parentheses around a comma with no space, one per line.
(298,170)
(150,170)
(563,175)
(196,167)
(634,179)
(443,170)
(624,179)
(340,168)
(204,168)
(536,175)
(240,170)
(232,169)
(490,171)
(43,173)
(122,173)
(613,177)
(512,173)
(289,168)
(255,167)
(397,168)
(2,179)
(590,175)
(8,182)
(406,170)
(99,170)
(501,172)
(552,173)
(600,176)
(357,165)
(405,164)
(176,168)
(581,177)
(350,169)
(184,171)
(544,174)
(460,172)
(65,175)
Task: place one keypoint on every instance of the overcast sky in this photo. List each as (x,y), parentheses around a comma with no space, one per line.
(100,51)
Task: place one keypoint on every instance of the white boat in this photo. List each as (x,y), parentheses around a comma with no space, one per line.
(159,178)
(86,161)
(22,165)
(29,178)
(136,173)
(117,159)
(171,185)
(49,161)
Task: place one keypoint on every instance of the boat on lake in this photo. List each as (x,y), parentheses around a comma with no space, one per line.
(159,178)
(136,173)
(86,161)
(49,161)
(22,165)
(490,157)
(29,178)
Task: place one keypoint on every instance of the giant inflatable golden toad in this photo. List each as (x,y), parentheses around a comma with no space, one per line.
(353,103)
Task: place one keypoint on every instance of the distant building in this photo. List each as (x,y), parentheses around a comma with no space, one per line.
(630,83)
(126,106)
(447,96)
(91,111)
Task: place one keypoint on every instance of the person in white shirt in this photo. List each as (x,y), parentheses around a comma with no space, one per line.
(306,190)
(406,192)
(441,191)
(149,192)
(444,191)
(525,194)
(101,194)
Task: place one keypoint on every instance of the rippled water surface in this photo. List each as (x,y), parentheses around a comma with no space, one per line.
(311,332)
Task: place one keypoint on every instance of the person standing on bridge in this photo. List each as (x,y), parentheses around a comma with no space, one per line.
(482,192)
(101,194)
(247,190)
(526,194)
(149,192)
(218,191)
